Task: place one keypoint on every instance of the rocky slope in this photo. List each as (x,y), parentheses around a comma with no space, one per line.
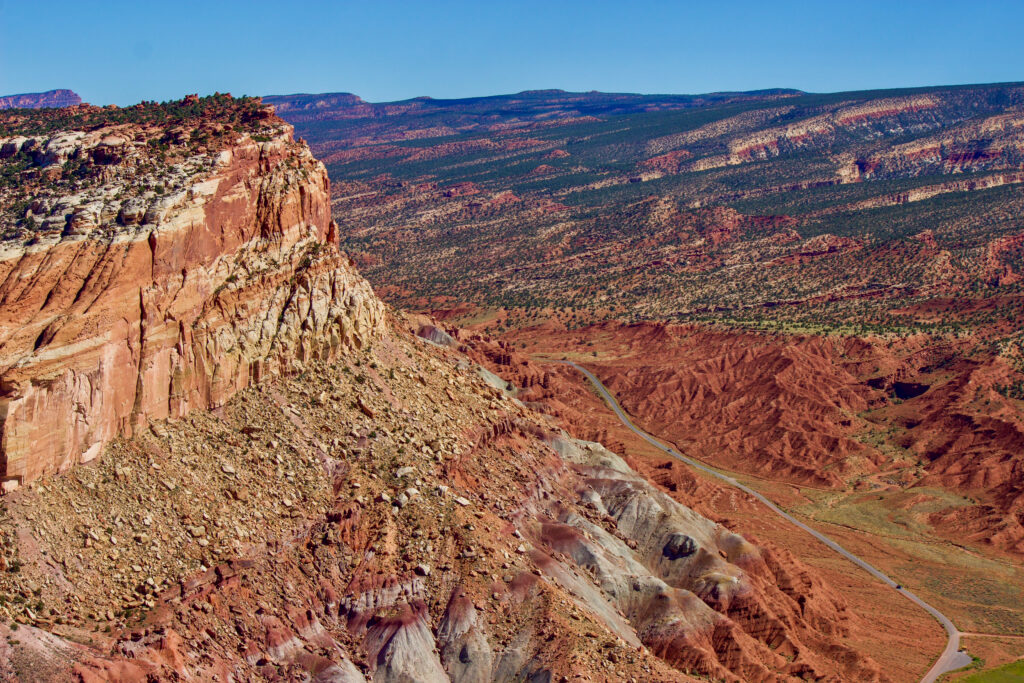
(141,292)
(294,487)
(41,100)
(901,642)
(394,516)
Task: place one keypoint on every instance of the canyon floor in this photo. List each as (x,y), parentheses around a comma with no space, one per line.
(883,516)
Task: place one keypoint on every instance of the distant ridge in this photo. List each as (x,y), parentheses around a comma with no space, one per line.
(51,99)
(302,108)
(325,100)
(300,101)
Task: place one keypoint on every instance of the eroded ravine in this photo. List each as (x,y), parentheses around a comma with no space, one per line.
(952,657)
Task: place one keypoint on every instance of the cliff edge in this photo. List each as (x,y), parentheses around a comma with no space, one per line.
(51,99)
(155,260)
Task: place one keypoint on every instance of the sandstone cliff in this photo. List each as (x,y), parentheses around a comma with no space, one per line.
(143,294)
(40,100)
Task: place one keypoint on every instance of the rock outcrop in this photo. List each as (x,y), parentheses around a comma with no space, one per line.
(50,99)
(121,310)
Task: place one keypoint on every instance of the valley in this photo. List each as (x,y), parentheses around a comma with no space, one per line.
(548,386)
(897,519)
(951,658)
(268,473)
(816,293)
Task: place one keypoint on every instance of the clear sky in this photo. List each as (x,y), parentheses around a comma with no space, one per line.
(123,52)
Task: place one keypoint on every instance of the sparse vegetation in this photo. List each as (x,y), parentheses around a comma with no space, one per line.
(1009,673)
(443,207)
(242,114)
(89,160)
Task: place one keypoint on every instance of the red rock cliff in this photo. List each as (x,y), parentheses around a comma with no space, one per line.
(39,100)
(167,301)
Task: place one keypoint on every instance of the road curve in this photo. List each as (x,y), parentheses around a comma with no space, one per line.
(950,659)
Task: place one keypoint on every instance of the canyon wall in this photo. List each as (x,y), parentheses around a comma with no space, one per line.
(149,307)
(41,100)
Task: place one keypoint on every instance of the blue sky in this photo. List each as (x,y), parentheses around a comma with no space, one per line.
(123,52)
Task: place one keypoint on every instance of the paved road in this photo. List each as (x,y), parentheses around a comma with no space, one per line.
(950,659)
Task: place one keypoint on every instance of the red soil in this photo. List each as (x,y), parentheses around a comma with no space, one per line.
(825,411)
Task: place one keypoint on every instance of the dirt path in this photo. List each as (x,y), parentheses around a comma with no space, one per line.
(950,659)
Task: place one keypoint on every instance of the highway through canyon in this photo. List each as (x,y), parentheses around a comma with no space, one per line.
(950,659)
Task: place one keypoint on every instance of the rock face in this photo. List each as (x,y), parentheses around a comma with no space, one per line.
(40,100)
(329,105)
(150,307)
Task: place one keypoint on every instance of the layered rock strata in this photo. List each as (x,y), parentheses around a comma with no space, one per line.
(40,100)
(151,306)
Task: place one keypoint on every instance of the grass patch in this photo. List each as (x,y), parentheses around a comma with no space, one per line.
(1010,673)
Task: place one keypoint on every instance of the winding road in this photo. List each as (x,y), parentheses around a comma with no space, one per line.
(950,659)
